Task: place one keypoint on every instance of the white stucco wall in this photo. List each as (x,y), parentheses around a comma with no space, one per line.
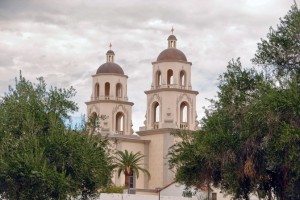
(175,189)
(156,160)
(137,197)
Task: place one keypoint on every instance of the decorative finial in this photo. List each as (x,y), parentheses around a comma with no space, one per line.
(172,30)
(110,46)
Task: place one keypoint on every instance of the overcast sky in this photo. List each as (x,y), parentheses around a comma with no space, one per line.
(65,41)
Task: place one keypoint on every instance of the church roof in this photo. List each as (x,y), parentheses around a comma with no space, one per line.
(171,54)
(110,67)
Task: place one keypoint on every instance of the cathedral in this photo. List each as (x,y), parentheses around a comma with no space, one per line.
(171,105)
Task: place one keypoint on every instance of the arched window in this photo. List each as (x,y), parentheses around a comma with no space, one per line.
(184,115)
(93,115)
(97,91)
(119,90)
(170,77)
(107,90)
(182,78)
(158,79)
(156,115)
(120,123)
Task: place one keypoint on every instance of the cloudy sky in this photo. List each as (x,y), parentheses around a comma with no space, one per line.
(65,41)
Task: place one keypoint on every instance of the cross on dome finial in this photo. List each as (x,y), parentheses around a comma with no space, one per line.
(110,54)
(172,40)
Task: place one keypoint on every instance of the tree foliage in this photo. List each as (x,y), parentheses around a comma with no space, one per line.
(280,51)
(40,158)
(113,189)
(250,137)
(32,109)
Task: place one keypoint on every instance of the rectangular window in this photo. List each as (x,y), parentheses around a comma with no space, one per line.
(214,196)
(131,182)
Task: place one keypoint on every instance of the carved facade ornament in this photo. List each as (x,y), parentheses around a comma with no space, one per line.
(94,109)
(179,99)
(169,118)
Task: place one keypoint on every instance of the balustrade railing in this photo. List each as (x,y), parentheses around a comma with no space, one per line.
(109,98)
(183,125)
(155,125)
(120,132)
(172,86)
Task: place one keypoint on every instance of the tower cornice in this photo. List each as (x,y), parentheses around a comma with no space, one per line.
(155,131)
(109,101)
(109,74)
(172,90)
(179,61)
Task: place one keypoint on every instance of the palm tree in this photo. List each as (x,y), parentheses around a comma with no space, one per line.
(129,163)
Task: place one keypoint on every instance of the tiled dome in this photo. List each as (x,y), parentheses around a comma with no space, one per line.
(171,54)
(110,67)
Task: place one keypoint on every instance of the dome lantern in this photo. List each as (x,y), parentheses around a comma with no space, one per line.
(110,54)
(172,40)
(172,53)
(110,67)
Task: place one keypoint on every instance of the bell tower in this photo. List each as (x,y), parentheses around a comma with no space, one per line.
(171,104)
(109,98)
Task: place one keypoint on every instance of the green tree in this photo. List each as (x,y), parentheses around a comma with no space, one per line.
(129,164)
(33,109)
(40,157)
(280,51)
(222,151)
(25,173)
(250,136)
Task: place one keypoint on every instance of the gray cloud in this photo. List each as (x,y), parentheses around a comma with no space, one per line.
(65,41)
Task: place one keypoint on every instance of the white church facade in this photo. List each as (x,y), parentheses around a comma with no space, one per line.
(171,105)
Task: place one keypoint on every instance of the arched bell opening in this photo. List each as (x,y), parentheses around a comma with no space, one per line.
(120,123)
(155,115)
(184,115)
(107,90)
